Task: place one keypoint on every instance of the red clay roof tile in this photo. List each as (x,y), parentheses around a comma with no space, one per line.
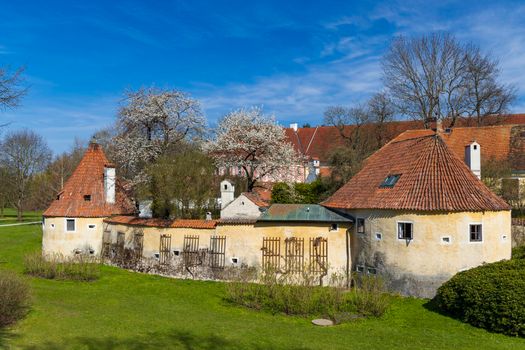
(432,178)
(88,179)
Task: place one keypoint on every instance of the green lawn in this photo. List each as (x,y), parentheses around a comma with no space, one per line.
(125,310)
(10,216)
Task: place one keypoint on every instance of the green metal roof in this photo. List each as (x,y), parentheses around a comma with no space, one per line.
(301,213)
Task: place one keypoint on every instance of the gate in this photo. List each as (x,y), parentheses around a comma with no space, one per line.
(217,251)
(164,249)
(271,253)
(106,245)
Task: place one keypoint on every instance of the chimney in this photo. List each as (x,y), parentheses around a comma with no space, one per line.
(439,126)
(227,193)
(109,183)
(473,158)
(294,126)
(208,215)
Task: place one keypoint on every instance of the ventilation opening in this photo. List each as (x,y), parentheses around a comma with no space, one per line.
(234,260)
(87,197)
(176,252)
(379,236)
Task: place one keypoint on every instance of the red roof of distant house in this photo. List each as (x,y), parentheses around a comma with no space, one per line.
(432,178)
(88,180)
(319,142)
(501,142)
(256,199)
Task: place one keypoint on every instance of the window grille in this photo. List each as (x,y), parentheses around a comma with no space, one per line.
(190,250)
(294,254)
(165,249)
(217,251)
(318,255)
(271,253)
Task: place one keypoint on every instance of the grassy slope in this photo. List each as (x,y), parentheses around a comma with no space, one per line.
(126,310)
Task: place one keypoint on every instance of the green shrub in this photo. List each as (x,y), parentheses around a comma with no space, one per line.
(14,298)
(77,268)
(518,252)
(490,296)
(300,295)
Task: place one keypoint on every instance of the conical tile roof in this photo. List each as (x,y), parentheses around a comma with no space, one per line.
(430,178)
(88,180)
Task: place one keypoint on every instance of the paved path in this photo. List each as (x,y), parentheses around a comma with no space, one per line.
(21,223)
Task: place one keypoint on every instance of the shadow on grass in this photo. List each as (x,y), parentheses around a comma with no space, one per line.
(172,340)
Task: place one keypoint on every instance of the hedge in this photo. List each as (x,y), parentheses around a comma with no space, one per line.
(491,296)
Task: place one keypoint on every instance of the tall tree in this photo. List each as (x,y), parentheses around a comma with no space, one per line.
(152,122)
(435,77)
(485,95)
(11,90)
(249,139)
(24,154)
(426,77)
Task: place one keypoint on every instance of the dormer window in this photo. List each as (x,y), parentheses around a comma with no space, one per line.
(390,181)
(87,197)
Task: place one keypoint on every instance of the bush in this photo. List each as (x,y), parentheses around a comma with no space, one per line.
(518,252)
(490,296)
(14,298)
(78,268)
(300,295)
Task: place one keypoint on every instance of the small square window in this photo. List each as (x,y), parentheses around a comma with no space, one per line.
(405,230)
(70,225)
(87,197)
(234,260)
(52,225)
(476,233)
(379,236)
(334,227)
(92,226)
(176,252)
(371,271)
(360,268)
(390,181)
(156,255)
(360,225)
(445,239)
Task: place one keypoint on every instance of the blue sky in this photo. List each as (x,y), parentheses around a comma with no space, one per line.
(294,58)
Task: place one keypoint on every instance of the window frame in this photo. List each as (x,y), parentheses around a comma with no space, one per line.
(74,223)
(470,232)
(397,230)
(357,226)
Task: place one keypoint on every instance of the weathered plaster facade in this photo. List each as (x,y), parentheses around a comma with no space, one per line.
(56,240)
(440,247)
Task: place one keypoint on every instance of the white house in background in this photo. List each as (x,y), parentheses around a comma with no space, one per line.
(248,205)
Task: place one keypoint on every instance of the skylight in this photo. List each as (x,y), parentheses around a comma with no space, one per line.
(390,181)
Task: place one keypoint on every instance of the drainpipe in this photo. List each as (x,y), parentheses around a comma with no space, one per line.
(348,258)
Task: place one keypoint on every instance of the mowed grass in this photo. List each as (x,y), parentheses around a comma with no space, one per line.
(125,310)
(10,216)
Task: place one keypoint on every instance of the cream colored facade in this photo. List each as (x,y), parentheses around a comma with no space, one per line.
(244,241)
(241,207)
(86,238)
(440,247)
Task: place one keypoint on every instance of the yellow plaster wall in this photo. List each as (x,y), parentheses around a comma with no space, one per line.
(427,256)
(57,240)
(243,241)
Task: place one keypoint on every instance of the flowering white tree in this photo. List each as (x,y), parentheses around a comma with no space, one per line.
(153,122)
(249,139)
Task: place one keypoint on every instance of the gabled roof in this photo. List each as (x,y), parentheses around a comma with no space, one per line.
(88,179)
(432,178)
(302,213)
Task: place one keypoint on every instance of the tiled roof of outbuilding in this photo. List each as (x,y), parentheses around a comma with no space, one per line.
(88,179)
(162,223)
(432,178)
